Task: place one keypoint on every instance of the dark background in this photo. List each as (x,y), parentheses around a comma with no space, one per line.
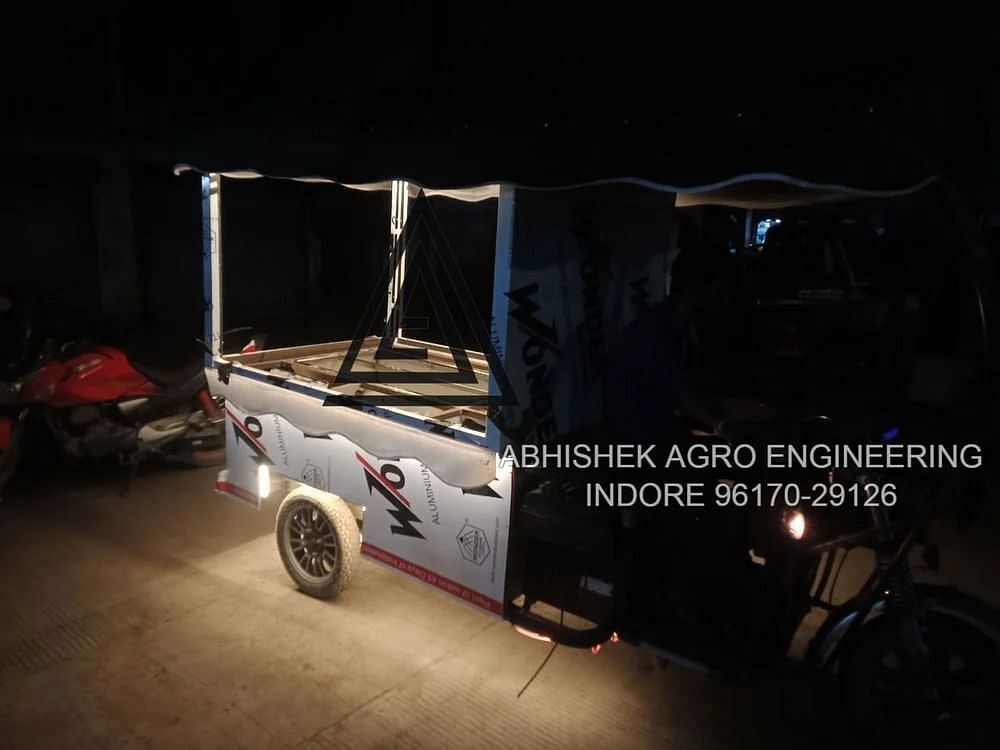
(102,239)
(98,107)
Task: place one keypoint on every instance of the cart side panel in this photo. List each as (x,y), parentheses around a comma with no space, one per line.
(453,538)
(244,455)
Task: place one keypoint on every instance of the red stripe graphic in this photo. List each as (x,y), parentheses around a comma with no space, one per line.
(236,491)
(381,480)
(428,576)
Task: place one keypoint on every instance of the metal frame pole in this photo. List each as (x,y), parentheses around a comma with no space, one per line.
(211,245)
(397,256)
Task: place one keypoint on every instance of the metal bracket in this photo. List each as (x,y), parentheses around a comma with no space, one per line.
(224,369)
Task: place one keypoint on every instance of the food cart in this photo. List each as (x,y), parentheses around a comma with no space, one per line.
(390,447)
(394,447)
(403,436)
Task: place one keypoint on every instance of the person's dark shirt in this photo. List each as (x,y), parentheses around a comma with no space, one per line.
(646,376)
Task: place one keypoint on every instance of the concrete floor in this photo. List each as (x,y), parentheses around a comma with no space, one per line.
(165,619)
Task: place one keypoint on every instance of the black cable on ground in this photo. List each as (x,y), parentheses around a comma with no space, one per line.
(545,660)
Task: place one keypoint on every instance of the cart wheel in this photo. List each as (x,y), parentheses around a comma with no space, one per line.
(319,542)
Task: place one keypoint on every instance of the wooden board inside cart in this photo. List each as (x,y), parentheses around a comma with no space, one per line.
(323,362)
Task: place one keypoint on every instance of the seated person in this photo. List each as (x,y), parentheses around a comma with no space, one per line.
(681,557)
(649,385)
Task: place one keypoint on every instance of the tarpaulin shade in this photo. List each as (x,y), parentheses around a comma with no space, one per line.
(755,191)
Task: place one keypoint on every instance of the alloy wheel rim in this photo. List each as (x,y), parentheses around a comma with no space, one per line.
(311,543)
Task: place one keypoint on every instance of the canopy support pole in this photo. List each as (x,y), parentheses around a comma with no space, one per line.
(397,257)
(211,248)
(502,259)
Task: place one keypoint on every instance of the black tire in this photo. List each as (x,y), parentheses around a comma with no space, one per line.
(308,528)
(964,648)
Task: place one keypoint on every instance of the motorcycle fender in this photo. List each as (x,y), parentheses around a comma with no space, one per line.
(824,646)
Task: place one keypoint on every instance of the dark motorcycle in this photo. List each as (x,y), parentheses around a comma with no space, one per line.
(725,590)
(96,402)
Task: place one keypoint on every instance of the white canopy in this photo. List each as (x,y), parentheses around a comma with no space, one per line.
(753,191)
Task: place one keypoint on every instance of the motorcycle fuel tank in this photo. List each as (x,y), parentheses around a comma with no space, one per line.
(99,374)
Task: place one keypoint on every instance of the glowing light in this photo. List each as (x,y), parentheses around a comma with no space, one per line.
(615,638)
(795,524)
(532,634)
(891,434)
(263,481)
(595,649)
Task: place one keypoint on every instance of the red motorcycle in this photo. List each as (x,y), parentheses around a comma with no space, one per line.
(97,403)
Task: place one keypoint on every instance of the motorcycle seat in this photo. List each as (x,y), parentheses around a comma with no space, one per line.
(168,376)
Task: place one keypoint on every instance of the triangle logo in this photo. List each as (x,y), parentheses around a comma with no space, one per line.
(431,268)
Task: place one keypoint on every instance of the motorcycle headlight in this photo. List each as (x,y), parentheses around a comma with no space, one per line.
(795,524)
